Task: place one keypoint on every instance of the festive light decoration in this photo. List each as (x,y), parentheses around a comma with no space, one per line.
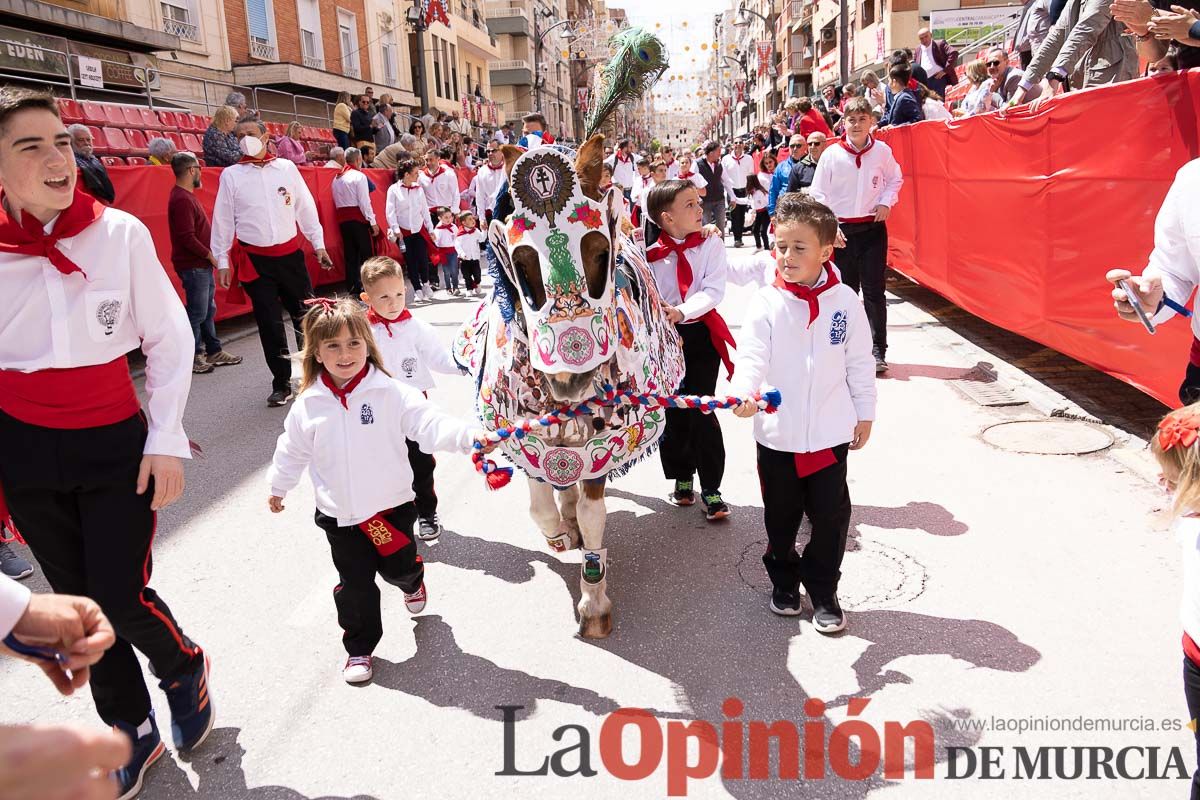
(498,477)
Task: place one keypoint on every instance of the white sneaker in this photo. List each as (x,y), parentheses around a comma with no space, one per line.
(415,602)
(357,669)
(428,294)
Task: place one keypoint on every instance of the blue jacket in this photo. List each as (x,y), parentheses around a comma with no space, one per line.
(902,109)
(779,182)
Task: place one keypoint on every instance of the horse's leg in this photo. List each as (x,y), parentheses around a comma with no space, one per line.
(546,515)
(595,609)
(568,500)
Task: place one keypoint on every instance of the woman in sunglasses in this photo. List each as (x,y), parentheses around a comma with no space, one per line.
(417,129)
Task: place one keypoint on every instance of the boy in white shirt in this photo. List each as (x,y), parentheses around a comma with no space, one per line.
(859,180)
(469,246)
(808,336)
(411,352)
(690,272)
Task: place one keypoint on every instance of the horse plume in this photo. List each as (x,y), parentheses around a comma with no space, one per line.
(639,59)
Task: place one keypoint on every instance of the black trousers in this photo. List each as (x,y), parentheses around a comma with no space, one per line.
(72,495)
(863,262)
(422,465)
(825,498)
(692,441)
(1189,390)
(356,595)
(761,229)
(1191,692)
(739,216)
(470,272)
(416,260)
(282,285)
(356,248)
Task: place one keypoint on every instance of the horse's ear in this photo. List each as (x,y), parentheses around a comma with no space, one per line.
(588,164)
(511,154)
(498,237)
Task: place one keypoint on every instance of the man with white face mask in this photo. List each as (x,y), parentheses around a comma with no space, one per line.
(261,201)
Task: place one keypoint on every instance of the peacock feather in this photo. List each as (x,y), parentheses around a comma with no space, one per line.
(639,59)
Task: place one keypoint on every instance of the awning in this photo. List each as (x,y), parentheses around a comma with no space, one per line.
(57,20)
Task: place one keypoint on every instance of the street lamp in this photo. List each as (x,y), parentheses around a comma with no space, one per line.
(742,20)
(744,63)
(413,17)
(540,36)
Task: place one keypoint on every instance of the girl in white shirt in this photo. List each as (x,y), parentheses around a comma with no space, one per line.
(756,194)
(1176,446)
(350,427)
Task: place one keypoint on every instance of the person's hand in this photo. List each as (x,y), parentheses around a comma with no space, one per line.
(324,260)
(882,212)
(1050,90)
(275,504)
(748,408)
(484,441)
(1135,14)
(212,260)
(1148,288)
(374,230)
(840,241)
(1175,24)
(223,278)
(674,315)
(862,432)
(167,472)
(74,626)
(1018,96)
(710,230)
(60,762)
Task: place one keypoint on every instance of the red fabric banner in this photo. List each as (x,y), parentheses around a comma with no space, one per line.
(1016,220)
(143,191)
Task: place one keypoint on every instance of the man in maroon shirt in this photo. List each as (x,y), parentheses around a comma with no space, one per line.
(190,234)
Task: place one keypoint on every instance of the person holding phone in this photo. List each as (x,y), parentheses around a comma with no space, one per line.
(1173,271)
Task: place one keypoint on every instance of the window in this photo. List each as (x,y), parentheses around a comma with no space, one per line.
(309,18)
(446,70)
(454,69)
(348,38)
(388,44)
(479,79)
(179,19)
(260,24)
(437,67)
(868,13)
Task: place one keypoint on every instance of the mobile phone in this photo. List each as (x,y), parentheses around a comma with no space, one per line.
(1137,306)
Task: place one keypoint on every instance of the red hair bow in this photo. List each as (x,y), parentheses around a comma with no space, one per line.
(1182,428)
(328,303)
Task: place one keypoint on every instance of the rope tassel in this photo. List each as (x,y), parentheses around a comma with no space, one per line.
(496,476)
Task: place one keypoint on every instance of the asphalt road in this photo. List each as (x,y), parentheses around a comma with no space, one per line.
(980,583)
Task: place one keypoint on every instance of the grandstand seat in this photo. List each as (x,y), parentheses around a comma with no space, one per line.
(99,143)
(191,143)
(69,110)
(188,122)
(177,140)
(168,121)
(149,118)
(113,161)
(115,142)
(93,113)
(115,115)
(132,116)
(136,161)
(138,143)
(276,129)
(203,121)
(327,136)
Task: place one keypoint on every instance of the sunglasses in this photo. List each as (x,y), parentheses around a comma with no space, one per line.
(993,63)
(816,144)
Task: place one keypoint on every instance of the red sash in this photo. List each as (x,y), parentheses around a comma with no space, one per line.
(386,537)
(350,214)
(242,268)
(1191,650)
(718,330)
(855,220)
(810,463)
(435,253)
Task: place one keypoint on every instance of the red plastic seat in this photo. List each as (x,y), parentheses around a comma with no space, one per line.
(115,142)
(113,161)
(138,142)
(136,161)
(99,143)
(191,143)
(149,118)
(69,110)
(276,128)
(203,122)
(327,136)
(93,113)
(168,120)
(132,116)
(176,139)
(115,115)
(189,122)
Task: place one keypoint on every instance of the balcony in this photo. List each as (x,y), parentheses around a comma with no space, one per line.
(798,61)
(315,62)
(262,50)
(350,69)
(799,13)
(514,72)
(184,30)
(508,17)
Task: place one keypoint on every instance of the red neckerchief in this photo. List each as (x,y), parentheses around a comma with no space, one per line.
(267,159)
(858,154)
(624,160)
(683,176)
(606,187)
(374,317)
(411,186)
(344,392)
(30,238)
(467,231)
(683,268)
(646,179)
(737,159)
(345,169)
(433,175)
(808,294)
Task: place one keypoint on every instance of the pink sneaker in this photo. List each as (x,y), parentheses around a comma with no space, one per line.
(358,669)
(415,602)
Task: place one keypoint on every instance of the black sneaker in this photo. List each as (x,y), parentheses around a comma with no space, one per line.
(737,243)
(683,494)
(785,603)
(429,528)
(279,397)
(12,564)
(828,616)
(714,507)
(147,749)
(881,365)
(191,707)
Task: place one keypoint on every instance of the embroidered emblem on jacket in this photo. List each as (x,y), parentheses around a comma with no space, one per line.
(409,365)
(837,328)
(365,415)
(107,314)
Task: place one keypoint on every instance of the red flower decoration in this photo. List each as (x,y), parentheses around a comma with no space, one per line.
(1181,428)
(517,227)
(586,215)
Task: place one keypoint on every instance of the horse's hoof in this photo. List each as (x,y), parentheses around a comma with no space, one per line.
(596,627)
(561,543)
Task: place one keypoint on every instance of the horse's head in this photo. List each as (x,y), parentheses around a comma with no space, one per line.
(559,249)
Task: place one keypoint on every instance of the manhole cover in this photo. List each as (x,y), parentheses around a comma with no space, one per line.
(875,575)
(1048,437)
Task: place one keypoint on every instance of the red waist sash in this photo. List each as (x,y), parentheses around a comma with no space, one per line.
(242,268)
(855,220)
(79,397)
(435,253)
(350,214)
(386,537)
(722,337)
